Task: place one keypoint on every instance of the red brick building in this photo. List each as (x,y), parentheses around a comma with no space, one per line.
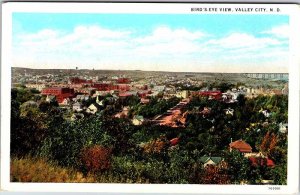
(144,93)
(59,92)
(110,86)
(102,86)
(210,94)
(123,80)
(123,87)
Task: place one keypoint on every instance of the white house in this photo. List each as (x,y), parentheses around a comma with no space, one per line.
(92,109)
(229,111)
(38,87)
(138,120)
(283,127)
(77,107)
(50,98)
(182,94)
(207,160)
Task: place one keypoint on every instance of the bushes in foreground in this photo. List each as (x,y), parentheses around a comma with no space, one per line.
(30,169)
(96,158)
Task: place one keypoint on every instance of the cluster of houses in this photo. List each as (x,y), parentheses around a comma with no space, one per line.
(252,92)
(124,87)
(255,158)
(78,90)
(244,148)
(174,117)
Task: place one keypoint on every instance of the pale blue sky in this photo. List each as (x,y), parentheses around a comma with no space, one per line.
(176,42)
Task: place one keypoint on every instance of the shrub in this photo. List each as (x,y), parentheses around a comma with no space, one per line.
(30,169)
(67,139)
(135,171)
(96,158)
(214,175)
(155,146)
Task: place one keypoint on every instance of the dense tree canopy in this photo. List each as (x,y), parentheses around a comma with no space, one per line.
(144,153)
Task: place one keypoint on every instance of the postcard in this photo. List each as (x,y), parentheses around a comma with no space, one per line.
(150,98)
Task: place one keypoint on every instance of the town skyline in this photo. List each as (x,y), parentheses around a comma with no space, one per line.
(180,42)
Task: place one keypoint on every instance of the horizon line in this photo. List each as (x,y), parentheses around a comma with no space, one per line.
(153,71)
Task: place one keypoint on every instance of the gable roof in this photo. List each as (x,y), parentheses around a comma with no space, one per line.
(241,145)
(93,106)
(138,117)
(205,159)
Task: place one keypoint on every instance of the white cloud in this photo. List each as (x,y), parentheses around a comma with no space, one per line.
(82,40)
(181,49)
(282,31)
(93,41)
(40,36)
(242,41)
(165,34)
(166,41)
(173,48)
(98,32)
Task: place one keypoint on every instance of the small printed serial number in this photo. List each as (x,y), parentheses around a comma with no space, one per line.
(274,188)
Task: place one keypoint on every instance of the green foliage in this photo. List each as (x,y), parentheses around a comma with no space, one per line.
(197,103)
(34,91)
(238,166)
(21,95)
(143,154)
(155,107)
(15,113)
(66,140)
(224,86)
(130,101)
(183,166)
(279,174)
(153,171)
(29,124)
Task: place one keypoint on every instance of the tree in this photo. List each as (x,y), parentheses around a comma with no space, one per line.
(95,158)
(279,174)
(238,166)
(224,86)
(241,100)
(155,146)
(31,128)
(183,166)
(21,95)
(66,140)
(268,143)
(214,175)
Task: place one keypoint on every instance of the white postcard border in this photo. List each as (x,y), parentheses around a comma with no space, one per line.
(178,8)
